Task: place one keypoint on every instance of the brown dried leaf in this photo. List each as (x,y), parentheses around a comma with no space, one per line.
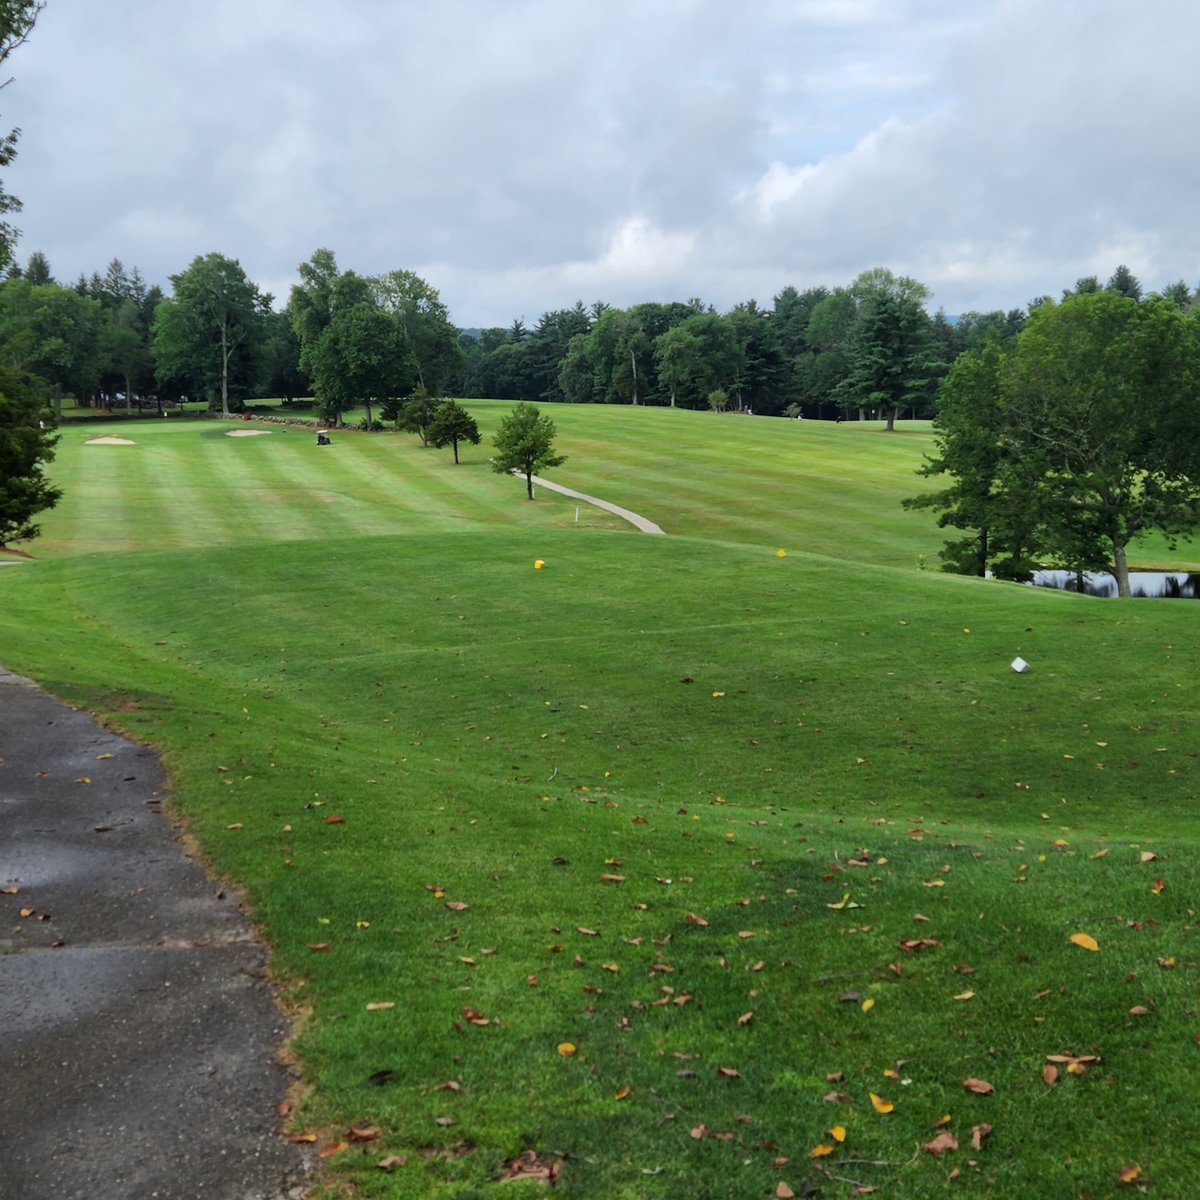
(391,1161)
(978,1133)
(1049,1075)
(941,1143)
(335,819)
(362,1133)
(729,1072)
(456,906)
(980,1087)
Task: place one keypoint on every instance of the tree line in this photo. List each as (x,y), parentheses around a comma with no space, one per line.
(386,343)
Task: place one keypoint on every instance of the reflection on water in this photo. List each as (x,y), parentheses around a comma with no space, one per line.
(1169,585)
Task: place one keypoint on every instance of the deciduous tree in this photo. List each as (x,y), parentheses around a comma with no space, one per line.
(452,424)
(525,443)
(210,327)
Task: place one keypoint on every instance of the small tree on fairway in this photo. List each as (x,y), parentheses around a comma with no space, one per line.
(415,413)
(452,424)
(525,443)
(26,443)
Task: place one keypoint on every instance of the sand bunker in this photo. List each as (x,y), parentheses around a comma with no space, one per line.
(109,441)
(245,432)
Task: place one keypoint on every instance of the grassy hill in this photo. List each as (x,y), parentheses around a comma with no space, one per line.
(677,859)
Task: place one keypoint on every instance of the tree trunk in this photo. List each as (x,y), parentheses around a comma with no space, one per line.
(225,352)
(454,443)
(891,421)
(983,552)
(633,366)
(1121,569)
(529,483)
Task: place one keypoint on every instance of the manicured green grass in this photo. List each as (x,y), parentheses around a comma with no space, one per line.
(789,763)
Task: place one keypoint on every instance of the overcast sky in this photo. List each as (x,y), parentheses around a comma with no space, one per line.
(523,154)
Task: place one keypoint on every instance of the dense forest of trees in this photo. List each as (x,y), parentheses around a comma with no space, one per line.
(868,348)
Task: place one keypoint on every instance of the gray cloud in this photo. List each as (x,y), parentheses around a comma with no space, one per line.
(521,154)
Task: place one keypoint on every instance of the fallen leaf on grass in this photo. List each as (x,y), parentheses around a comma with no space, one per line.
(622,1092)
(1129,1174)
(302,1138)
(362,1133)
(317,947)
(1147,856)
(380,1005)
(1139,1010)
(880,1104)
(606,877)
(332,1148)
(868,1004)
(980,1087)
(392,1161)
(1157,886)
(978,1133)
(783,1192)
(820,1151)
(1049,1075)
(445,1122)
(335,819)
(838,1133)
(940,1144)
(745,1018)
(530,1167)
(695,920)
(1084,940)
(729,1072)
(566,1049)
(456,906)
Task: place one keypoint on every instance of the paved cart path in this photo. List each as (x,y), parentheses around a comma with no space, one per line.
(641,522)
(138,1033)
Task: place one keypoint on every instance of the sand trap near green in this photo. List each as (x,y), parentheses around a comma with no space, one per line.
(245,432)
(109,441)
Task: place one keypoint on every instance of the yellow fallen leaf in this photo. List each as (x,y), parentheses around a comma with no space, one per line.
(838,1133)
(964,996)
(868,1004)
(1084,940)
(820,1151)
(880,1104)
(622,1092)
(566,1049)
(1129,1174)
(380,1005)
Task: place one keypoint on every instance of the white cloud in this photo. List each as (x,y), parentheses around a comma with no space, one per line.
(526,153)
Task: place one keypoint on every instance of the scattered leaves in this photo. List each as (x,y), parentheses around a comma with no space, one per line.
(941,1143)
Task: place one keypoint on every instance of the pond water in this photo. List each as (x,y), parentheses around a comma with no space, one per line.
(1171,585)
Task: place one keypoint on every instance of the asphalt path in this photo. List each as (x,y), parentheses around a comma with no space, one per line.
(139,1040)
(642,523)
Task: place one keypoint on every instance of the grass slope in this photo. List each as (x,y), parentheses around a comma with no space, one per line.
(846,844)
